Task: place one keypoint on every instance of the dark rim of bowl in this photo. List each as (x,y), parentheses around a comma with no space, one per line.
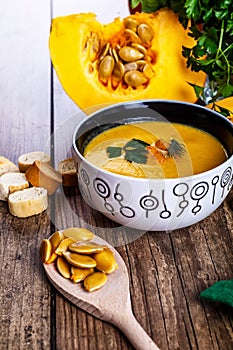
(173,111)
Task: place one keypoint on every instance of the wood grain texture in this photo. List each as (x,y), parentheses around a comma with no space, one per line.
(109,303)
(25,74)
(167,271)
(25,126)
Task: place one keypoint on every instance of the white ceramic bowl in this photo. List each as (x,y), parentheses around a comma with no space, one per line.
(154,204)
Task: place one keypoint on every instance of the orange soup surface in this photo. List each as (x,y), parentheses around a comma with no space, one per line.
(155,150)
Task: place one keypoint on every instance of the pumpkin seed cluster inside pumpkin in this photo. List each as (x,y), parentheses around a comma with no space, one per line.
(137,57)
(127,58)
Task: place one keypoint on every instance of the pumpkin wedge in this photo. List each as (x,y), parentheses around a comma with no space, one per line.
(137,57)
(224,103)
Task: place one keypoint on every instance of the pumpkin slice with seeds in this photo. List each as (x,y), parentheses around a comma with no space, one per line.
(137,57)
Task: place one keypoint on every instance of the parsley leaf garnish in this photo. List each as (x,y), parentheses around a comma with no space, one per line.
(137,150)
(134,151)
(136,156)
(136,144)
(114,152)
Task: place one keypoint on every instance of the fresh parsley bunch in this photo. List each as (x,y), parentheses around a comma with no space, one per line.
(211,25)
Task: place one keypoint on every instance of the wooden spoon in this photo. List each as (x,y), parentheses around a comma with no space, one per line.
(110,303)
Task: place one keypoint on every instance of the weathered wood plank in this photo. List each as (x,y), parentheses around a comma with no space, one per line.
(24,86)
(167,270)
(166,280)
(25,127)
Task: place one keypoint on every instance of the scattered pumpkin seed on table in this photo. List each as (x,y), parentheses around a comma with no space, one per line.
(77,258)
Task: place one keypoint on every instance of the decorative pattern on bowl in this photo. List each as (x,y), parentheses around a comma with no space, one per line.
(172,204)
(156,204)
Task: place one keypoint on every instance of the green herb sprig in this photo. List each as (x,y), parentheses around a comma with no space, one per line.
(212,28)
(176,149)
(134,151)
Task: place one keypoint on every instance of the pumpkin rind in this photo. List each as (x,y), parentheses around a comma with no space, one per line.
(72,51)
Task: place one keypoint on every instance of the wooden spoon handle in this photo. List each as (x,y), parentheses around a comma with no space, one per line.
(134,331)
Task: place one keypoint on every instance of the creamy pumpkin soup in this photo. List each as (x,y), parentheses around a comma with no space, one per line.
(155,150)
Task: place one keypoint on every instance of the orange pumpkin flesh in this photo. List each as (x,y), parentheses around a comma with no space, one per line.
(225,103)
(72,46)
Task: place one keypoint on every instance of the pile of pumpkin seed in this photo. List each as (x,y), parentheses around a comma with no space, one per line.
(127,60)
(78,258)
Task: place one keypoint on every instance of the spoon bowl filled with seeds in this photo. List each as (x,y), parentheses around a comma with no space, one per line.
(91,274)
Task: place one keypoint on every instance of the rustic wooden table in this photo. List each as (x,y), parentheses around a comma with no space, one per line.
(167,270)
